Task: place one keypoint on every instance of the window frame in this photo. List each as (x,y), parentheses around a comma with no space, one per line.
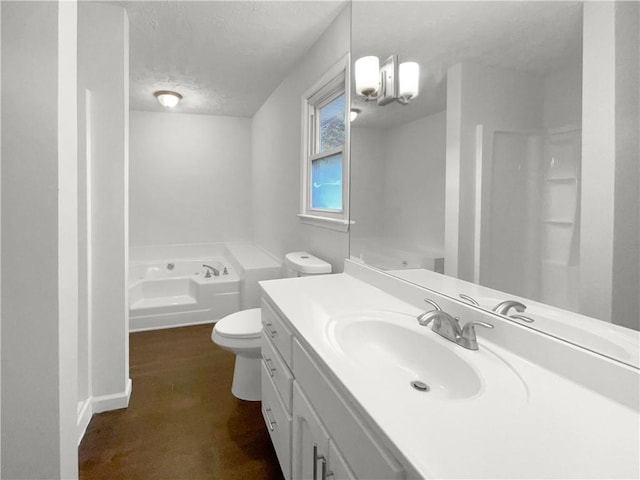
(331,85)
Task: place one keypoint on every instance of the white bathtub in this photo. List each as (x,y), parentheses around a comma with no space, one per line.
(178,292)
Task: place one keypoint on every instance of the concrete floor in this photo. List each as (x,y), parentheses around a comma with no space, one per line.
(182,421)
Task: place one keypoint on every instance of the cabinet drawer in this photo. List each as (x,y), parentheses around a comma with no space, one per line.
(278,422)
(365,455)
(274,327)
(277,370)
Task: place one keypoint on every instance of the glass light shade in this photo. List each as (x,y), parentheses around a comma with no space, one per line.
(409,73)
(353,114)
(167,98)
(367,75)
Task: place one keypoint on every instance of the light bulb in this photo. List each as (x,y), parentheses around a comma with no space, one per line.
(367,75)
(409,82)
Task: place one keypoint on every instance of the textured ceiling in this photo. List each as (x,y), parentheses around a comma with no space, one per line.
(224,57)
(529,36)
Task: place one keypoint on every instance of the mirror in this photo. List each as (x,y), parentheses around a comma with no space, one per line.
(501,173)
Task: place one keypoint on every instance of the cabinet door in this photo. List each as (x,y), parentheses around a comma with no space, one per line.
(310,440)
(338,467)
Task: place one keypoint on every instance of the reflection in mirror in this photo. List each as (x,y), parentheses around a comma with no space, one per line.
(514,171)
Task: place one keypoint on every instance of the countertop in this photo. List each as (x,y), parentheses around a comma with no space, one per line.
(525,422)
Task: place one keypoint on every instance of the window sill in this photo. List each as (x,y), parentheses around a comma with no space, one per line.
(323,222)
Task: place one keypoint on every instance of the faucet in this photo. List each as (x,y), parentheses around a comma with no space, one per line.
(503,307)
(211,270)
(443,324)
(448,327)
(469,299)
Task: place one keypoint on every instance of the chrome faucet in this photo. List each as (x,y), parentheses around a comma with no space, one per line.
(503,307)
(443,324)
(468,338)
(469,299)
(211,270)
(449,327)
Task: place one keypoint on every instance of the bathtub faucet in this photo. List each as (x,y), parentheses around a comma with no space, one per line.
(211,270)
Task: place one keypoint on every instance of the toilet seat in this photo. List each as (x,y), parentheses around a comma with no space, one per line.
(245,324)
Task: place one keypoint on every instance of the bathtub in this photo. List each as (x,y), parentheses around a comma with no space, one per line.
(382,255)
(173,293)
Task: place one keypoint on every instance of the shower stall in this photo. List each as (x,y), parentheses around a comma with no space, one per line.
(528,212)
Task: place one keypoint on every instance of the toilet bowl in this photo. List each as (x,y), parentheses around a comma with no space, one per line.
(241,332)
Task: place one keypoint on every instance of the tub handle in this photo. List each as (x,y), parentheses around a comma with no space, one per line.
(272,333)
(267,362)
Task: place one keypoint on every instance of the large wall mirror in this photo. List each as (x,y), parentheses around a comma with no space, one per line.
(513,174)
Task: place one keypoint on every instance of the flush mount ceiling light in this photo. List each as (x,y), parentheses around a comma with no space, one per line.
(389,82)
(167,98)
(353,114)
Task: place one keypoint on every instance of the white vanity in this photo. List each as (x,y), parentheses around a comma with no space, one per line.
(340,353)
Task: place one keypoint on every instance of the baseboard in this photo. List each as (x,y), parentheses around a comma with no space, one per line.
(103,403)
(85,412)
(172,325)
(113,401)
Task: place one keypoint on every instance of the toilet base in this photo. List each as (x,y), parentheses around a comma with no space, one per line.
(247,379)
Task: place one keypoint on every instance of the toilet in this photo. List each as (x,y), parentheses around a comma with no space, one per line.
(241,331)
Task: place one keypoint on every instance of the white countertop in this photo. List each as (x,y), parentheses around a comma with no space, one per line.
(526,421)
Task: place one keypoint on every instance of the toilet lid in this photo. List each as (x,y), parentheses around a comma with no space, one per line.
(243,324)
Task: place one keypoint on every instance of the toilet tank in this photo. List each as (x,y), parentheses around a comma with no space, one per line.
(303,264)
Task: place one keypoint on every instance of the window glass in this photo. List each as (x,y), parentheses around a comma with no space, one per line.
(332,124)
(326,182)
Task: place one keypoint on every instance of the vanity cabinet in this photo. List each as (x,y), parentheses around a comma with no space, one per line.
(316,432)
(277,383)
(314,454)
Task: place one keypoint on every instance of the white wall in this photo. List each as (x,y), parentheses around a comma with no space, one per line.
(190,179)
(397,182)
(368,156)
(0,241)
(500,100)
(103,226)
(276,156)
(39,218)
(414,182)
(563,97)
(609,223)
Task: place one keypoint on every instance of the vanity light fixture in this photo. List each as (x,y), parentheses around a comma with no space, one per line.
(167,98)
(389,82)
(353,114)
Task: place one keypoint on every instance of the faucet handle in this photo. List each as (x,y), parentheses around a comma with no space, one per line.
(469,299)
(433,304)
(469,332)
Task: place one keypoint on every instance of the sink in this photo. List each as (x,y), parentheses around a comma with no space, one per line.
(392,348)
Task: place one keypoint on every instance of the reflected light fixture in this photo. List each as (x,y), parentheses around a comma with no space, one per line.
(353,114)
(167,98)
(389,82)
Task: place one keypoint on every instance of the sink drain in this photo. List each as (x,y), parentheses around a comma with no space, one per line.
(420,386)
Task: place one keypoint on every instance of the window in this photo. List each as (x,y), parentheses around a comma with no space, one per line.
(325,159)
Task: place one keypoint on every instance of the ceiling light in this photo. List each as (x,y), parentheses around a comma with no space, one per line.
(389,82)
(353,114)
(167,98)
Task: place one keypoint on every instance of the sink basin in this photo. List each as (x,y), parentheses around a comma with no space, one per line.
(393,347)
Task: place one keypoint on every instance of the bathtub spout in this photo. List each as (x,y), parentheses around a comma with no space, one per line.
(211,270)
